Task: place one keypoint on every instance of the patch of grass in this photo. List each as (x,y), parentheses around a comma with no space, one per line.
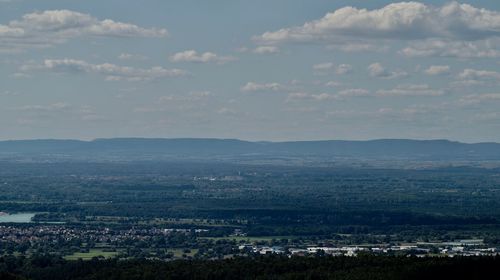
(251,238)
(179,252)
(92,253)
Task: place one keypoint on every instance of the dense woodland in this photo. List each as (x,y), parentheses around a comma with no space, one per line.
(362,267)
(259,195)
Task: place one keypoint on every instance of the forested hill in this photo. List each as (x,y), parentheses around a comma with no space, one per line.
(213,148)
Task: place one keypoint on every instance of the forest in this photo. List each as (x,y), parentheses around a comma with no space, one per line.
(269,267)
(203,220)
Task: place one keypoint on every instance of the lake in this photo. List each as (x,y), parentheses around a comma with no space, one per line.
(17,218)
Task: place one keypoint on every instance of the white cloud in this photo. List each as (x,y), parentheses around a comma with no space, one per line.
(402,21)
(411,90)
(341,95)
(475,99)
(436,70)
(55,107)
(333,84)
(111,72)
(191,96)
(488,48)
(194,56)
(308,96)
(473,74)
(476,78)
(327,66)
(354,92)
(343,69)
(47,28)
(226,111)
(266,50)
(130,56)
(323,66)
(358,47)
(460,84)
(379,71)
(252,87)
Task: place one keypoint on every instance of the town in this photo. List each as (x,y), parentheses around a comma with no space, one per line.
(184,243)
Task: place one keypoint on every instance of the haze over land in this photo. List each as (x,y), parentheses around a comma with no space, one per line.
(231,150)
(430,149)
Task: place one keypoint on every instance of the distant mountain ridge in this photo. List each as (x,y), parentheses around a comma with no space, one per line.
(209,147)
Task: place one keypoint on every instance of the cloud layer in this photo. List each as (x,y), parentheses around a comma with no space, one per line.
(253,87)
(194,56)
(379,71)
(111,72)
(43,29)
(402,21)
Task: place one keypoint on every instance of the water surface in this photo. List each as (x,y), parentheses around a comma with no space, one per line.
(17,218)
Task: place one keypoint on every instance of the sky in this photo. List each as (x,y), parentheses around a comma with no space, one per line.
(271,70)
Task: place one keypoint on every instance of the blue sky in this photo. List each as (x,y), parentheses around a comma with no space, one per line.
(256,70)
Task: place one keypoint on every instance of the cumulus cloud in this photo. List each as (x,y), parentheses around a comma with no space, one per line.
(358,47)
(436,70)
(475,99)
(411,90)
(401,21)
(266,50)
(131,56)
(194,56)
(323,66)
(379,71)
(111,72)
(333,84)
(488,48)
(341,95)
(294,96)
(47,28)
(353,92)
(460,84)
(191,96)
(55,107)
(473,74)
(253,87)
(343,69)
(476,78)
(329,66)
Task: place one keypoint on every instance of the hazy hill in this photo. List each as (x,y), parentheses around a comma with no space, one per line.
(139,148)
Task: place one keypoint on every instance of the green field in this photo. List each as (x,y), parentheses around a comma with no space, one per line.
(251,238)
(178,253)
(92,253)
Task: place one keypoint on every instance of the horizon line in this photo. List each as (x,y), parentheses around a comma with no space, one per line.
(244,140)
